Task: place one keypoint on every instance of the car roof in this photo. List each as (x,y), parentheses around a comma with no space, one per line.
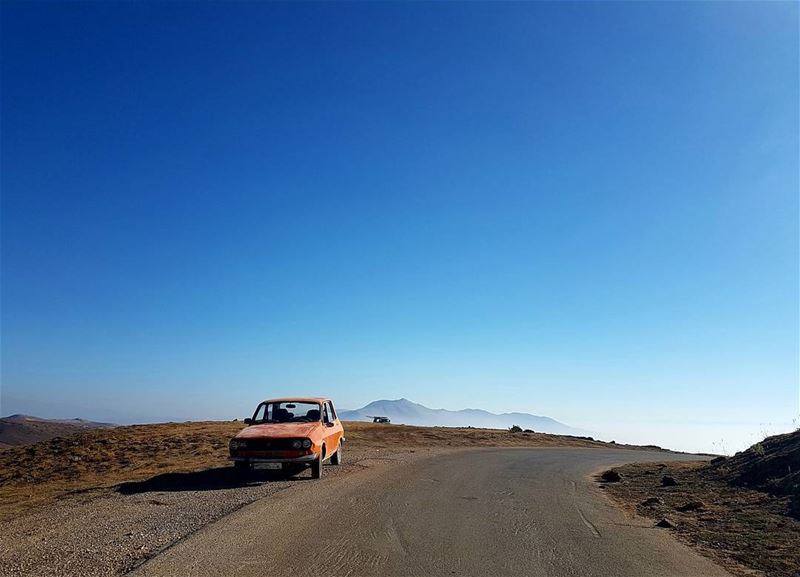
(298,400)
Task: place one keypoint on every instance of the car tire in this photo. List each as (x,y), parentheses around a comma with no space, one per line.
(316,468)
(336,458)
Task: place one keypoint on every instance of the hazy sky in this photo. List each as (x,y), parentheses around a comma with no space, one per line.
(587,211)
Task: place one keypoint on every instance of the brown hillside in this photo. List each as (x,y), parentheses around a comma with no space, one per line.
(773,466)
(18,430)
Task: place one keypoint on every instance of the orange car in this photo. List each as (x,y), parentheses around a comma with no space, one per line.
(290,434)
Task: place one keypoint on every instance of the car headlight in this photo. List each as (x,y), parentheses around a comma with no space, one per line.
(306,443)
(297,444)
(236,445)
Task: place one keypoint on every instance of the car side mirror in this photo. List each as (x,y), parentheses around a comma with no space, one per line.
(248,422)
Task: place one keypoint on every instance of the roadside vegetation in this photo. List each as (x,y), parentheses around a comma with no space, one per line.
(743,510)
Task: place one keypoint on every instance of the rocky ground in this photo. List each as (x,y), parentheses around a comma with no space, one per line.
(741,510)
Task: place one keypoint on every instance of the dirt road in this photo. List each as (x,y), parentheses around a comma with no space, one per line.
(499,512)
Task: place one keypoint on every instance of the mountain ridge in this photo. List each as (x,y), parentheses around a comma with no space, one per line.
(406,412)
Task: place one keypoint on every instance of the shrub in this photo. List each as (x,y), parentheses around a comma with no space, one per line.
(515,429)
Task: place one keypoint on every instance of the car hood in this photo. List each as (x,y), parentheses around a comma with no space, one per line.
(278,430)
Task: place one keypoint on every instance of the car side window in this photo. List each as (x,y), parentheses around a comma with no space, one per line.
(332,411)
(326,418)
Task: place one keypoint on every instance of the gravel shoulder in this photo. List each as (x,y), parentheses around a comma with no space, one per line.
(111,530)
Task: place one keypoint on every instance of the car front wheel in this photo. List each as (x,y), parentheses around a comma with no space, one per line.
(316,468)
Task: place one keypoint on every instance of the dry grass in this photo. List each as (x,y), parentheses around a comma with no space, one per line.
(368,435)
(36,474)
(740,527)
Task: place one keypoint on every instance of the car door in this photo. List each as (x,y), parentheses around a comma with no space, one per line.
(333,427)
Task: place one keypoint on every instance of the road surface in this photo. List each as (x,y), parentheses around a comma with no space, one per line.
(486,513)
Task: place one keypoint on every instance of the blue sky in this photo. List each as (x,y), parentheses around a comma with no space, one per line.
(582,210)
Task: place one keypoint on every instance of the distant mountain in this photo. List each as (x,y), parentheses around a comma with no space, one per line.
(18,430)
(403,411)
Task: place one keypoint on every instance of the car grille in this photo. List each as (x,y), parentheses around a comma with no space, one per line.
(269,444)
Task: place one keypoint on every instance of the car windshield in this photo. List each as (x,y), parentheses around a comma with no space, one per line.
(286,412)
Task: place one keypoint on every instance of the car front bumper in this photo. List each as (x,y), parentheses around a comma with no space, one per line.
(301,459)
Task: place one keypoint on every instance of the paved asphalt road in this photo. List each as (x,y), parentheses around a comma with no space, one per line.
(487,513)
